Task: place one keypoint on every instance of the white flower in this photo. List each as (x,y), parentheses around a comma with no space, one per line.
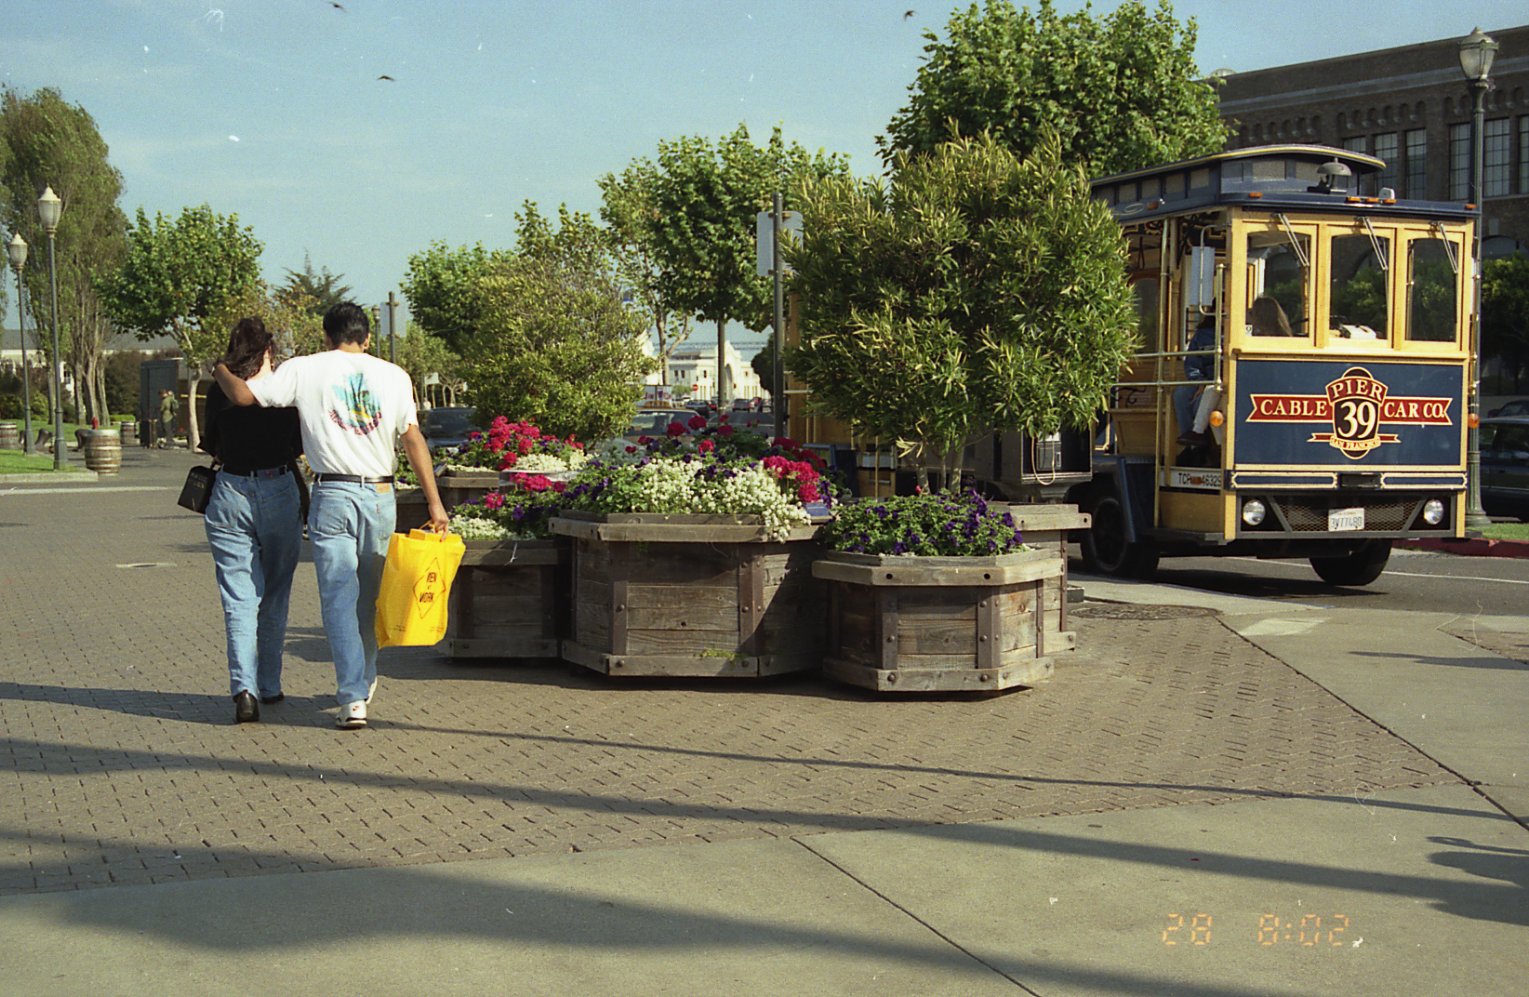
(475,528)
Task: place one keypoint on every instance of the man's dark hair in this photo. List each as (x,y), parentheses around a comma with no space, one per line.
(346,322)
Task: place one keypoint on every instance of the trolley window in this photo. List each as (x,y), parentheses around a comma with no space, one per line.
(1281,273)
(1432,291)
(1359,300)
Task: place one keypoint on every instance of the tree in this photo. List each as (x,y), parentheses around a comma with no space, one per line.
(554,343)
(1505,314)
(628,207)
(425,357)
(313,291)
(974,292)
(442,288)
(44,142)
(700,201)
(187,277)
(763,364)
(1121,91)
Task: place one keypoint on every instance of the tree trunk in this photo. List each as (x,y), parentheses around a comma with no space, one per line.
(193,431)
(722,399)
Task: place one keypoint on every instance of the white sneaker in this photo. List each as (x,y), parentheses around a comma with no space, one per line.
(371,691)
(352,715)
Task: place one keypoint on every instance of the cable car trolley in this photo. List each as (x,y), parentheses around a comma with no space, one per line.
(1302,382)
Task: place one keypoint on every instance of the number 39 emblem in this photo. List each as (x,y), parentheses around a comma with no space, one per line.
(1356,401)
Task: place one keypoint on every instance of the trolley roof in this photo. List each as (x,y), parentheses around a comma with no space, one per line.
(1273,177)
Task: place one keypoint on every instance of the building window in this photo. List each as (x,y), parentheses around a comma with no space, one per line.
(1495,168)
(1417,164)
(1385,148)
(1523,155)
(1459,162)
(1355,144)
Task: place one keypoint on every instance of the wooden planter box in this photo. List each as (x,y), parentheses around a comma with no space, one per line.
(455,488)
(508,600)
(691,596)
(952,624)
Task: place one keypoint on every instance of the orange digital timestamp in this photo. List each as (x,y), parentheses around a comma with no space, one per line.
(1308,930)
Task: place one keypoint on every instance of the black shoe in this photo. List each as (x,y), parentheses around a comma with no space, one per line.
(1194,439)
(246,710)
(268,700)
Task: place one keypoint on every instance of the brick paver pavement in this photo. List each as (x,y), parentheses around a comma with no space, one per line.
(119,763)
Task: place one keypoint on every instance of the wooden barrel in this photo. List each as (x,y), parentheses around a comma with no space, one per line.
(10,436)
(103,451)
(129,431)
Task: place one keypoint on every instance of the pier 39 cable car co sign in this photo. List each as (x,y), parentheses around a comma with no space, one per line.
(1356,414)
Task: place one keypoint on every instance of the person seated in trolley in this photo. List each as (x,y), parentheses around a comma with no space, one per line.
(1267,318)
(1198,369)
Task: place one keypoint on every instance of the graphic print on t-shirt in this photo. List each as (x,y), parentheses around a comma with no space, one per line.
(357,410)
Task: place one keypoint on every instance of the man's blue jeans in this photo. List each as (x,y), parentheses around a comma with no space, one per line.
(1185,399)
(350,525)
(254,528)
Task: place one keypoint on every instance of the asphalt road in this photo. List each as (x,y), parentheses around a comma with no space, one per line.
(1414,580)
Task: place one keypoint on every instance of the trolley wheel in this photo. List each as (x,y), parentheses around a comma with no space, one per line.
(1359,567)
(1105,548)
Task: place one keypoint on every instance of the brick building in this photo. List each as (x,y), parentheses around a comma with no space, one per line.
(1411,107)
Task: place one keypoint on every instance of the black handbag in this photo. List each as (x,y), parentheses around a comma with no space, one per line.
(198,488)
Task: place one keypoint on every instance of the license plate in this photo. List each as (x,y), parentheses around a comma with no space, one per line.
(1339,520)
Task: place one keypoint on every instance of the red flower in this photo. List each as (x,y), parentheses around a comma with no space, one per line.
(808,492)
(697,422)
(724,430)
(510,457)
(706,446)
(536,482)
(631,449)
(559,486)
(676,429)
(493,500)
(643,441)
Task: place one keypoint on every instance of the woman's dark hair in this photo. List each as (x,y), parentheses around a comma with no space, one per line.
(246,347)
(346,323)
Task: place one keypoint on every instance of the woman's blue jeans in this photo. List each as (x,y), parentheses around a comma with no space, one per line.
(255,529)
(350,525)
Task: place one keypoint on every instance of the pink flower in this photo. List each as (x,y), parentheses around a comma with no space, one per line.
(536,482)
(808,492)
(706,446)
(697,422)
(559,486)
(493,500)
(643,441)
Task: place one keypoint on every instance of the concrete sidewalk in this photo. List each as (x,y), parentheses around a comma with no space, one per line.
(1218,796)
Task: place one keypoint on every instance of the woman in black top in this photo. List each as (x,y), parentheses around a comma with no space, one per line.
(253,523)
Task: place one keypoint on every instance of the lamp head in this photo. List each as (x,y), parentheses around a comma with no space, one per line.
(1333,177)
(16,249)
(49,208)
(1477,50)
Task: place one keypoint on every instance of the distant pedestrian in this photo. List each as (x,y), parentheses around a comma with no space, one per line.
(169,407)
(354,409)
(253,522)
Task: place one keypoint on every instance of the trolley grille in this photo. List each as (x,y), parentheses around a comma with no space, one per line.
(1310,515)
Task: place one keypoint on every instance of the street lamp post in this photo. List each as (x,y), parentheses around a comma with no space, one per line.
(17,251)
(1476,53)
(49,208)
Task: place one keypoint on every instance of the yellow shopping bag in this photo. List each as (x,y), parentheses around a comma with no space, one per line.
(416,580)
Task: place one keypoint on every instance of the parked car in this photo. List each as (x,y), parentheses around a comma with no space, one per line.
(1518,406)
(1505,466)
(655,422)
(447,425)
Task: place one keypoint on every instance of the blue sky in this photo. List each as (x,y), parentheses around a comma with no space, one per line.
(272,109)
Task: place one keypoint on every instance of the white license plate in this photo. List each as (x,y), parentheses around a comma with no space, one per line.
(1339,520)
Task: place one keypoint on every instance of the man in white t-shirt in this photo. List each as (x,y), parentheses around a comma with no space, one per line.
(354,409)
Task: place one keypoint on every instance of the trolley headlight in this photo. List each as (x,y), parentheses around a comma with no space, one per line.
(1253,512)
(1433,512)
